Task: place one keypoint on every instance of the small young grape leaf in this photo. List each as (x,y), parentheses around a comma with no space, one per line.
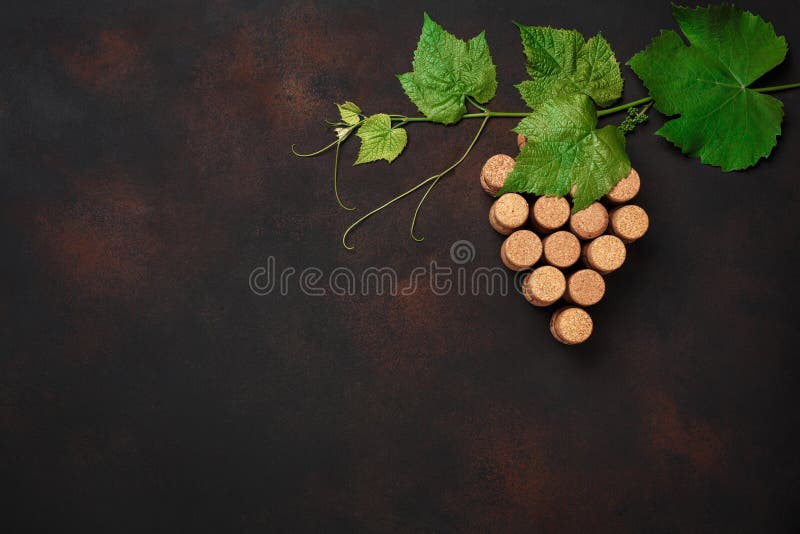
(563,62)
(721,120)
(446,71)
(565,148)
(379,140)
(350,113)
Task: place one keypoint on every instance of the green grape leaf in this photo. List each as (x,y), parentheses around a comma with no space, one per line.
(446,71)
(379,140)
(562,62)
(350,113)
(565,148)
(722,121)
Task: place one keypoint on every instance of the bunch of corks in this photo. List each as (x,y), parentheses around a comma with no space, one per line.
(597,235)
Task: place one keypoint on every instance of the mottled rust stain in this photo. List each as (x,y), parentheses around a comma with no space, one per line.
(674,433)
(110,62)
(101,243)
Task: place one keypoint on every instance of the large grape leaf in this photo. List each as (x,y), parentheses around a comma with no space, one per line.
(722,121)
(565,148)
(562,62)
(379,140)
(446,71)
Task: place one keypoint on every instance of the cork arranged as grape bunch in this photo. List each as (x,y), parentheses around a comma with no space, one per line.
(567,255)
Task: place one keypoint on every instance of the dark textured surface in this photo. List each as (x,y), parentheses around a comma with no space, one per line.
(144,388)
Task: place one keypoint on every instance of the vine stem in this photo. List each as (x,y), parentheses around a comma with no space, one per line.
(600,113)
(522,114)
(489,114)
(432,180)
(623,107)
(777,88)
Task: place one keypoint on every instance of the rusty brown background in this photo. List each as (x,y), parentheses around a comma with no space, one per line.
(144,388)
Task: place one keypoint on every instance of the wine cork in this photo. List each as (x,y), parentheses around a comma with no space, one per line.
(521,141)
(549,213)
(626,189)
(590,222)
(561,249)
(629,222)
(585,287)
(493,222)
(494,172)
(508,213)
(521,250)
(604,254)
(571,325)
(544,286)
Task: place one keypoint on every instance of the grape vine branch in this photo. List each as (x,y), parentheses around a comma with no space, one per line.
(574,81)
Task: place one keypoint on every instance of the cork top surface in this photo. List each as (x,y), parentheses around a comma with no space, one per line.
(586,287)
(495,170)
(626,189)
(630,222)
(523,248)
(590,222)
(562,249)
(511,210)
(545,283)
(606,252)
(550,213)
(572,325)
